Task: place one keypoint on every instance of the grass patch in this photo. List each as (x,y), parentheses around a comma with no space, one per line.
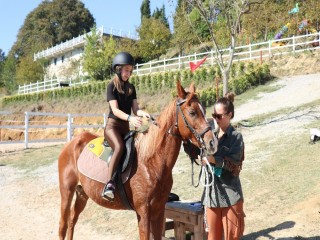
(31,159)
(284,173)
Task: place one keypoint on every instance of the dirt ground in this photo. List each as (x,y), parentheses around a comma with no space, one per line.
(30,198)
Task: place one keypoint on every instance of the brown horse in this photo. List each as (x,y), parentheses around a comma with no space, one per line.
(151,178)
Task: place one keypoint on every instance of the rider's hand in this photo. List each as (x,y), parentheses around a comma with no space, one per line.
(144,114)
(135,121)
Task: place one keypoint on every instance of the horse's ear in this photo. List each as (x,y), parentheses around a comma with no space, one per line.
(181,92)
(192,88)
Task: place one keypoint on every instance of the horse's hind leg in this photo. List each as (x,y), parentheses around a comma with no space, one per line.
(79,205)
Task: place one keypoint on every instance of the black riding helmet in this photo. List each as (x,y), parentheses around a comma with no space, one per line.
(122,58)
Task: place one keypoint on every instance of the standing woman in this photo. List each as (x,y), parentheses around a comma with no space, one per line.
(224,198)
(121,96)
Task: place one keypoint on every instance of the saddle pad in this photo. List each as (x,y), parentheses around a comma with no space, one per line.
(90,165)
(93,161)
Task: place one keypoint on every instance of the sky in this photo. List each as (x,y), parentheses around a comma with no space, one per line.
(118,15)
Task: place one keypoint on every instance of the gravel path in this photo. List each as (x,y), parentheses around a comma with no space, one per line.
(295,91)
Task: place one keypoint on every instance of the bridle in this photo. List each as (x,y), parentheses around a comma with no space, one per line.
(199,137)
(192,130)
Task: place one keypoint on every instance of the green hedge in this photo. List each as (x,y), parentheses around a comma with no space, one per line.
(250,77)
(242,77)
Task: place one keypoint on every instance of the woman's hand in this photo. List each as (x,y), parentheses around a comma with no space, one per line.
(135,121)
(143,114)
(206,159)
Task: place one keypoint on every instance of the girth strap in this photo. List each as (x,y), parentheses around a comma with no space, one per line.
(122,192)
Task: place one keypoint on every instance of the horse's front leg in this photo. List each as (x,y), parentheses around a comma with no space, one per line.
(144,224)
(157,224)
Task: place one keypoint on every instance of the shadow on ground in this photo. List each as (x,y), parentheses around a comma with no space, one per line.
(266,233)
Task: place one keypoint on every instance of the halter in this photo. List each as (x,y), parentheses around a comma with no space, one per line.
(197,135)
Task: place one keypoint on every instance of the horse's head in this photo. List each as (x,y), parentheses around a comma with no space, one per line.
(191,121)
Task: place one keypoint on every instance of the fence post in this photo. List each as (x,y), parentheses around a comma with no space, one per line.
(150,67)
(179,59)
(211,57)
(250,51)
(293,44)
(164,64)
(137,68)
(269,49)
(26,129)
(105,119)
(37,85)
(69,127)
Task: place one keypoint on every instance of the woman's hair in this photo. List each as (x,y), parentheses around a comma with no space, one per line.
(122,87)
(227,102)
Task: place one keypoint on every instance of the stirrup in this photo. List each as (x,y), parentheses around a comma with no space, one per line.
(108,191)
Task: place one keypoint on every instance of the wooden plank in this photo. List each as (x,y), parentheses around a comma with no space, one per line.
(181,217)
(179,231)
(193,208)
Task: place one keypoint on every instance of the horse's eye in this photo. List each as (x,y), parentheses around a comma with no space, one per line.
(192,112)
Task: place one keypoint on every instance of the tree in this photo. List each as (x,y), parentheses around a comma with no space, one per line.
(231,11)
(161,15)
(154,38)
(2,61)
(183,36)
(98,54)
(8,74)
(29,71)
(145,9)
(71,19)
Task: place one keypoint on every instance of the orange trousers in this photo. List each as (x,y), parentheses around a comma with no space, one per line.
(226,221)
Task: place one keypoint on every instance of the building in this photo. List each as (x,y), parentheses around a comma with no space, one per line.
(65,58)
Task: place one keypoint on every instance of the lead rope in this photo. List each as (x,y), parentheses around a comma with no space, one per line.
(204,178)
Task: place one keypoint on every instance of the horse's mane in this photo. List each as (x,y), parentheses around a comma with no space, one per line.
(148,144)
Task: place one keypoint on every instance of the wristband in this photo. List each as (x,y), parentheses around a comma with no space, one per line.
(128,119)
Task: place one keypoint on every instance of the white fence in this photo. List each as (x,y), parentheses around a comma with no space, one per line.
(29,125)
(261,51)
(49,84)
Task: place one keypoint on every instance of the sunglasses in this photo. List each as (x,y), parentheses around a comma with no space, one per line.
(218,116)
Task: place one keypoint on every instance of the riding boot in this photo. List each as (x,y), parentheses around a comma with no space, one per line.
(108,191)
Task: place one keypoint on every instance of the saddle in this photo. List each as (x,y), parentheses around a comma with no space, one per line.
(93,162)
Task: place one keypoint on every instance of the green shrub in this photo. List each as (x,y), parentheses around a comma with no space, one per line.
(251,76)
